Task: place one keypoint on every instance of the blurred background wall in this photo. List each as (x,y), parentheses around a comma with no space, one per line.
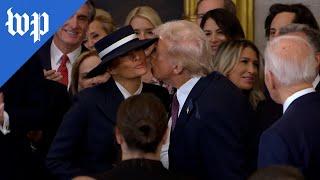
(167,9)
(251,13)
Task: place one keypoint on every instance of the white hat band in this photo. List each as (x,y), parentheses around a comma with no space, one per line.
(117,44)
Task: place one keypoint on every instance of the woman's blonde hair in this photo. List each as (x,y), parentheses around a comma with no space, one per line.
(106,20)
(228,56)
(145,12)
(76,69)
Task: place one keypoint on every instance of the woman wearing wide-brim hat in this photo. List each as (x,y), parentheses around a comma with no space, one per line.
(85,142)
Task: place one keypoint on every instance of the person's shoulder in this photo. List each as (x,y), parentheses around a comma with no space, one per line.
(303,106)
(220,87)
(92,93)
(217,79)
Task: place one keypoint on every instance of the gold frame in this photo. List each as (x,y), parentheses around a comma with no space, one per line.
(245,14)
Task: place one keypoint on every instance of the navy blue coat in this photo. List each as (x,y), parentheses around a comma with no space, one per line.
(33,103)
(295,138)
(85,142)
(212,135)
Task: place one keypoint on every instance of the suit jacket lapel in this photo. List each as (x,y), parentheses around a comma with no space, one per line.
(111,101)
(43,54)
(190,106)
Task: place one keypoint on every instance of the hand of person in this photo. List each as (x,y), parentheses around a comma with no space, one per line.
(1,109)
(35,136)
(52,75)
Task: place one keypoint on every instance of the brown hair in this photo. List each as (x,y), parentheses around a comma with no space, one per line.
(92,10)
(142,121)
(303,15)
(75,69)
(277,172)
(227,22)
(106,20)
(228,5)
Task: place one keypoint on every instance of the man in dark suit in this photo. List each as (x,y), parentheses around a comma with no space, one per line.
(59,53)
(210,117)
(35,107)
(294,139)
(272,111)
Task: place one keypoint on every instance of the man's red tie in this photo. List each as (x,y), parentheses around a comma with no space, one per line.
(63,69)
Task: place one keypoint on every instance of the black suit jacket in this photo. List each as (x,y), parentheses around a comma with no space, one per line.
(33,103)
(212,134)
(295,138)
(142,169)
(318,87)
(268,112)
(85,142)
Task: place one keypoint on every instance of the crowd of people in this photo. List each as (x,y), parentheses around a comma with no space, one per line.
(167,100)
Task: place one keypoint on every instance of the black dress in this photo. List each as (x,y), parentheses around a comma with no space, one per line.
(138,169)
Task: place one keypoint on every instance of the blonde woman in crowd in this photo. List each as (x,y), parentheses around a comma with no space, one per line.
(144,19)
(101,26)
(240,61)
(85,63)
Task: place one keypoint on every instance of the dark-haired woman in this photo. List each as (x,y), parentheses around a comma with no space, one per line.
(141,129)
(219,25)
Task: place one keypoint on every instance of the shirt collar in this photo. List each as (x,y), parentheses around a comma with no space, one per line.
(316,81)
(184,91)
(126,94)
(295,96)
(57,54)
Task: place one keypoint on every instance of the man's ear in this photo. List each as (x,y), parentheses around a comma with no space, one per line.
(270,80)
(177,68)
(318,59)
(119,137)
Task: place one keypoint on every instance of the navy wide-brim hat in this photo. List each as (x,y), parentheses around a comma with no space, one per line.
(117,44)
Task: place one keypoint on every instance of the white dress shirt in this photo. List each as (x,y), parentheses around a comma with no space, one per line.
(295,96)
(56,55)
(126,94)
(182,95)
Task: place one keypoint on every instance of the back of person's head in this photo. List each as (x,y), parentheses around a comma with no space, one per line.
(227,22)
(228,5)
(142,121)
(291,59)
(228,56)
(106,20)
(312,35)
(277,172)
(187,45)
(303,15)
(145,12)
